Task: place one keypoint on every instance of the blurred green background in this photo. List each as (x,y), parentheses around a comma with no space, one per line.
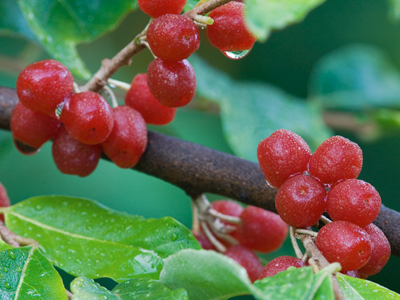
(285,60)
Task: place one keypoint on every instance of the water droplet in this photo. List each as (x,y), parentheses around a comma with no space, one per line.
(25,149)
(236,54)
(11,254)
(7,285)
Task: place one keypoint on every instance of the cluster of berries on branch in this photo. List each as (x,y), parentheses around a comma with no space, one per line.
(326,182)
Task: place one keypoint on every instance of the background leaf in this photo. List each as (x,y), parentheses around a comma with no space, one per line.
(263,16)
(25,273)
(61,25)
(252,111)
(138,289)
(360,289)
(394,9)
(87,239)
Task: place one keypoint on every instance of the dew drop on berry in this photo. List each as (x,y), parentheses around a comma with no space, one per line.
(236,54)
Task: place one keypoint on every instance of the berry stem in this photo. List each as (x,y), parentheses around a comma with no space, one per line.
(230,219)
(120,84)
(325,220)
(313,265)
(296,248)
(195,219)
(308,232)
(109,91)
(203,20)
(221,248)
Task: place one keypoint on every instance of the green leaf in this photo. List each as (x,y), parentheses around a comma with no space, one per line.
(190,4)
(263,16)
(61,25)
(87,239)
(25,273)
(4,245)
(12,22)
(394,9)
(205,275)
(325,291)
(355,78)
(138,289)
(251,111)
(360,289)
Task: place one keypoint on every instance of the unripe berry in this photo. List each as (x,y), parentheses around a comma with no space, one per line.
(128,139)
(345,243)
(336,159)
(280,264)
(156,8)
(355,201)
(73,157)
(247,259)
(172,83)
(282,155)
(173,37)
(229,33)
(140,98)
(87,117)
(300,201)
(44,85)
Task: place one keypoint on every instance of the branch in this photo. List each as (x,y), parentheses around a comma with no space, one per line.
(123,58)
(197,169)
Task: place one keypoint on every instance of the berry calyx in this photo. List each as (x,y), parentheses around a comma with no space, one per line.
(336,159)
(156,8)
(32,128)
(140,98)
(73,157)
(355,201)
(128,139)
(44,85)
(282,155)
(173,37)
(280,264)
(87,117)
(300,201)
(247,259)
(346,243)
(172,83)
(261,230)
(229,33)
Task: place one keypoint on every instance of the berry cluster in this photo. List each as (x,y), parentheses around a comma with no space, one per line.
(81,124)
(257,230)
(326,181)
(172,38)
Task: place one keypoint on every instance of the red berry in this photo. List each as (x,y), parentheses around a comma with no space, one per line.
(353,273)
(380,252)
(280,264)
(172,83)
(229,33)
(44,85)
(346,243)
(156,8)
(355,201)
(247,259)
(261,230)
(204,241)
(128,139)
(336,159)
(140,98)
(73,157)
(300,201)
(282,155)
(32,128)
(228,208)
(4,200)
(87,117)
(173,37)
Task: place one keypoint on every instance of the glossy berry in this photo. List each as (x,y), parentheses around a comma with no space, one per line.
(355,201)
(156,8)
(300,201)
(4,200)
(204,241)
(380,252)
(353,273)
(172,83)
(32,128)
(336,159)
(173,37)
(280,264)
(44,85)
(346,243)
(140,98)
(229,33)
(261,230)
(247,259)
(281,155)
(128,139)
(87,117)
(73,157)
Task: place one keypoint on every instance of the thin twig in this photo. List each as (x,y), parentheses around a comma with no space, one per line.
(308,232)
(296,248)
(217,244)
(230,219)
(325,220)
